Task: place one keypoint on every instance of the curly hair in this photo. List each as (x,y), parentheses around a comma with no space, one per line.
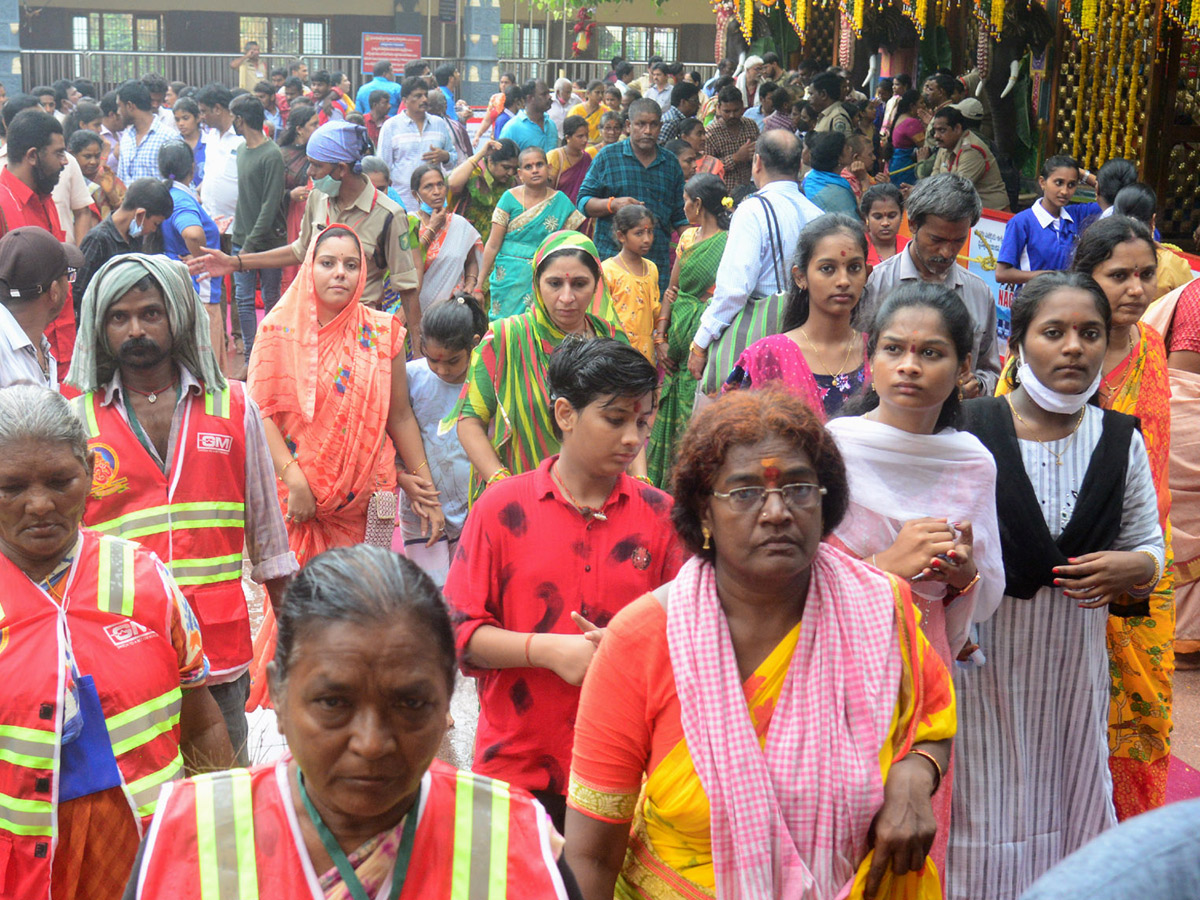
(747,417)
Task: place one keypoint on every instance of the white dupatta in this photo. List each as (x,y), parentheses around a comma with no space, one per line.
(896,476)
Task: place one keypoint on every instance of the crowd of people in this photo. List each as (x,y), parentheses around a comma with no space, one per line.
(596,401)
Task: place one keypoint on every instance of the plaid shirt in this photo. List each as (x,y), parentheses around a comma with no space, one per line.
(671,120)
(722,140)
(141,160)
(617,172)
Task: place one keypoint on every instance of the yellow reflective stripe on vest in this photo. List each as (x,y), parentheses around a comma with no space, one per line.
(28,817)
(144,722)
(114,588)
(206,570)
(216,403)
(85,409)
(480,869)
(145,790)
(27,747)
(224,810)
(156,519)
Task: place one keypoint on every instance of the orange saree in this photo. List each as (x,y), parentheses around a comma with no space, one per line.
(328,389)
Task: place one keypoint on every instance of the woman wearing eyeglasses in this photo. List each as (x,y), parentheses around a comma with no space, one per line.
(757,718)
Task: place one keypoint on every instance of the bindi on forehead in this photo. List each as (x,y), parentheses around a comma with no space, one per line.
(771,471)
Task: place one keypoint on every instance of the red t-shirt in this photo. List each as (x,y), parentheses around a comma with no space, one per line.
(526,560)
(21,207)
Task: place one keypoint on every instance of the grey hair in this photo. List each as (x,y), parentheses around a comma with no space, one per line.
(29,413)
(947,196)
(366,586)
(375,164)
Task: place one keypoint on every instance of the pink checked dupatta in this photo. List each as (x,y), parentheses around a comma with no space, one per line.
(791,819)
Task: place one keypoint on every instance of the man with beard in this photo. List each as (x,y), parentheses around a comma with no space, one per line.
(942,210)
(187,470)
(36,157)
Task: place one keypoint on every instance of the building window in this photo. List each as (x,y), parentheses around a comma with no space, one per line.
(522,43)
(637,43)
(286,35)
(116,32)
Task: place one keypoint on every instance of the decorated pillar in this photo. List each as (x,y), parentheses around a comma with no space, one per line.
(481,64)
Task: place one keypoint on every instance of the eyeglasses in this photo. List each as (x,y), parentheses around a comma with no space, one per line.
(796,496)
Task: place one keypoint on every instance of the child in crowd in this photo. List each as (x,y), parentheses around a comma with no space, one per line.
(862,164)
(632,279)
(1042,238)
(612,98)
(450,329)
(882,209)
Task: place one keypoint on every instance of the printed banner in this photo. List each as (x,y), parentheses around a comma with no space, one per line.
(398,49)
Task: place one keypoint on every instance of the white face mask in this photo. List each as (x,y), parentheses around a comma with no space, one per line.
(1049,399)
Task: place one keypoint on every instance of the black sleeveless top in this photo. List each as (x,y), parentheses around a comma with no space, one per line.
(1030,553)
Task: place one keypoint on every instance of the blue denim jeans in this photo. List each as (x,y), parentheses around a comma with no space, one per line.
(245,284)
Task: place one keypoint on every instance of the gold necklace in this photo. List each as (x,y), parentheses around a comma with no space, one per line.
(821,359)
(1070,438)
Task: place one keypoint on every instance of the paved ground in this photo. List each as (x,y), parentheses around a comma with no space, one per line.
(1185,742)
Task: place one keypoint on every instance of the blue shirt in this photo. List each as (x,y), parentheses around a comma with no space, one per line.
(832,193)
(188,212)
(451,112)
(140,160)
(527,134)
(362,100)
(1036,241)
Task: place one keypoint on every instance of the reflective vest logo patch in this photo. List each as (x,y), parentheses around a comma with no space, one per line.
(214,443)
(127,633)
(105,482)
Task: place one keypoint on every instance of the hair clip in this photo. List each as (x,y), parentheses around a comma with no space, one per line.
(727,202)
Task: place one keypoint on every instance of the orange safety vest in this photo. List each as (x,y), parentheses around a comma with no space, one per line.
(234,836)
(193,515)
(116,619)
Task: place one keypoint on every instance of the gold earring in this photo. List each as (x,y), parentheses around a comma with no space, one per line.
(707,537)
(961,395)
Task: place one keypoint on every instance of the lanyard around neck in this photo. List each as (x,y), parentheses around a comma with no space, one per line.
(353,885)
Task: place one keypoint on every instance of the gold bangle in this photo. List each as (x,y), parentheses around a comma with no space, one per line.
(937,767)
(697,350)
(420,467)
(1154,579)
(283,471)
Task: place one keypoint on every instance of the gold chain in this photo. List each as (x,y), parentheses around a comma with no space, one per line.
(1070,438)
(821,359)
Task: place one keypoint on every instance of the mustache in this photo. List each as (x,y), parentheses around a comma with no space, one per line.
(138,344)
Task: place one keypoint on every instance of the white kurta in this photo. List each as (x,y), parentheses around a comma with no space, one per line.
(1033,783)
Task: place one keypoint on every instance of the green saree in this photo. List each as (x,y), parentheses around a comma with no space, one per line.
(697,274)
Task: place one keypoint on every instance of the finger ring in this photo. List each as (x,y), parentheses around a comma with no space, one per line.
(289,517)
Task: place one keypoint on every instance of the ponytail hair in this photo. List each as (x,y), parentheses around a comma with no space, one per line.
(456,322)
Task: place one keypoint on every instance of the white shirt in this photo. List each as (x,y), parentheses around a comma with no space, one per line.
(218,190)
(167,118)
(558,112)
(975,294)
(746,275)
(18,357)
